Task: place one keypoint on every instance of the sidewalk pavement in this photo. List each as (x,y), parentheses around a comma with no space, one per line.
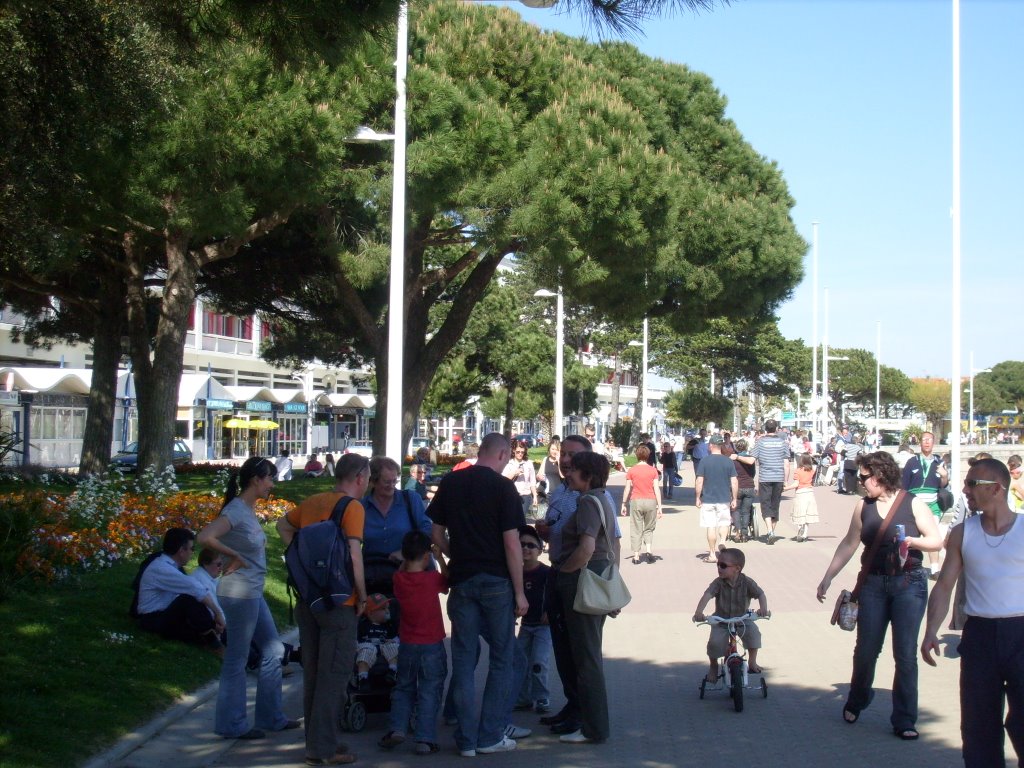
(654,661)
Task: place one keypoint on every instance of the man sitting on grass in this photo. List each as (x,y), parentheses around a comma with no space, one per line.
(171,603)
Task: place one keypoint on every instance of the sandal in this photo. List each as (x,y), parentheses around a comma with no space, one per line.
(338,758)
(391,739)
(755,669)
(907,734)
(850,716)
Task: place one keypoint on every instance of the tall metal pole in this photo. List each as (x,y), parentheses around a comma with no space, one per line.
(878,375)
(816,424)
(954,475)
(824,374)
(396,295)
(559,364)
(970,407)
(644,393)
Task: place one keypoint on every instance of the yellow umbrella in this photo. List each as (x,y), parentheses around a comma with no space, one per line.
(263,424)
(237,423)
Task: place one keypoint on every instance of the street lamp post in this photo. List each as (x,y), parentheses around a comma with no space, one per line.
(878,377)
(643,390)
(970,407)
(556,427)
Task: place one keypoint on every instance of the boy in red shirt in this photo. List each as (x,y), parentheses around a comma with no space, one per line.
(422,661)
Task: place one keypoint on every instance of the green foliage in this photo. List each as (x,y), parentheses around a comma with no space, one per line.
(18,519)
(696,405)
(988,398)
(912,431)
(932,397)
(622,433)
(853,381)
(1008,379)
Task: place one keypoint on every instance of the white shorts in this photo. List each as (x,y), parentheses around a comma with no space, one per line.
(715,515)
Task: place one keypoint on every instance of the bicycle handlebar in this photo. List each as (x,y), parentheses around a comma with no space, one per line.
(748,616)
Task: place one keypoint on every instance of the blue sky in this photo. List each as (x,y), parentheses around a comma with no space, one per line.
(853,100)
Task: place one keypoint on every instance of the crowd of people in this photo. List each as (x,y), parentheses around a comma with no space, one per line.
(467,534)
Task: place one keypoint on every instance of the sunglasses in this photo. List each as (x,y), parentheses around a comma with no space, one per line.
(528,545)
(864,478)
(972,483)
(725,565)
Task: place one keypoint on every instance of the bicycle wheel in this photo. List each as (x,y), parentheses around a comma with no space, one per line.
(737,689)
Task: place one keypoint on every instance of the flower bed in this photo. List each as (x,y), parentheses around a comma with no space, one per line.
(60,545)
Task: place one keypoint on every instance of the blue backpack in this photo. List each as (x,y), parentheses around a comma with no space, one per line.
(320,564)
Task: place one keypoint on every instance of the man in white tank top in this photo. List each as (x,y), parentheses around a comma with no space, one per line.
(989,549)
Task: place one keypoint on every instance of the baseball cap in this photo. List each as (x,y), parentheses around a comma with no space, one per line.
(376,602)
(717,440)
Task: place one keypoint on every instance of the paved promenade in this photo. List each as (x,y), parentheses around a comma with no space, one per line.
(654,660)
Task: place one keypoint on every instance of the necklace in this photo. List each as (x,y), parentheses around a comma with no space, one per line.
(1000,537)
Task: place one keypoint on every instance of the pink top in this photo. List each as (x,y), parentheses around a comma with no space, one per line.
(643,477)
(804,477)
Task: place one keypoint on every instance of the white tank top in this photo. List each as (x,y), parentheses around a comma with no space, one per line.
(993,570)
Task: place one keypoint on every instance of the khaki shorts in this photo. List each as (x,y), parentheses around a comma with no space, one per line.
(718,642)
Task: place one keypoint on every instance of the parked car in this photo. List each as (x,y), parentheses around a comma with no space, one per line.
(361,447)
(128,459)
(530,440)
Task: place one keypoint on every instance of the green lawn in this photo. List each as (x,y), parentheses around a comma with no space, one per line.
(78,674)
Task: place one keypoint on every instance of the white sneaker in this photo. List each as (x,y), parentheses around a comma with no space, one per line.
(467,752)
(515,732)
(576,737)
(505,745)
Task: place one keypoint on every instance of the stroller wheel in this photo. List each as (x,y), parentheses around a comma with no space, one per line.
(354,718)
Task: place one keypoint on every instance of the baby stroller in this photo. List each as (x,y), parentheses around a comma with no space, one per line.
(372,696)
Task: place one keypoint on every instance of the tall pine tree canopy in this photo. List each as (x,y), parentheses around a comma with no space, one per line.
(613,174)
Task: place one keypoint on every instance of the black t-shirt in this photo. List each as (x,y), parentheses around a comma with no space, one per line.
(477,505)
(534,585)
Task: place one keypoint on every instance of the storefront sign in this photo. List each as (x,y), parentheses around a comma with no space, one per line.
(259,406)
(220,405)
(369,412)
(294,407)
(343,410)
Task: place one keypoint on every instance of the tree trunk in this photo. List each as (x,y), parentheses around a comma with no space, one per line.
(638,410)
(510,405)
(106,352)
(158,378)
(616,384)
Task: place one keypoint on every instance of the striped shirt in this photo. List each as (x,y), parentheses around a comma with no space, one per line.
(772,452)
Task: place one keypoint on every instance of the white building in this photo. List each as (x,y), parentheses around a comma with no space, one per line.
(226,386)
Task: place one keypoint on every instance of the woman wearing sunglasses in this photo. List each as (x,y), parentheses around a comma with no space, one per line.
(893,588)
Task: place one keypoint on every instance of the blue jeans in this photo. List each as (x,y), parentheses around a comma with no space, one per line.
(533,657)
(482,606)
(249,621)
(900,601)
(422,669)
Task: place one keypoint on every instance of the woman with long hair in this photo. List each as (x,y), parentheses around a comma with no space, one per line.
(238,536)
(894,587)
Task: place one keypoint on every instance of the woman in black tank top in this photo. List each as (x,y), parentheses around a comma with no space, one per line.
(893,587)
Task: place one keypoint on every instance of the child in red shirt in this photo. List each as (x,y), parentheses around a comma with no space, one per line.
(422,661)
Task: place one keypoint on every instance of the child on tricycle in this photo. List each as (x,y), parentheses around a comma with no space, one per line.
(732,590)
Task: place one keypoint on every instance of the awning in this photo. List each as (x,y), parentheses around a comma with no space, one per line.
(75,381)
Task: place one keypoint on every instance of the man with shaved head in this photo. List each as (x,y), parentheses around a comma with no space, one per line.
(989,549)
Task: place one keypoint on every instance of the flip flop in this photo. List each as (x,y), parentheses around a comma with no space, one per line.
(755,669)
(849,716)
(907,734)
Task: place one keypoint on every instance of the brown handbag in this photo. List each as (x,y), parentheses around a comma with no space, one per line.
(845,613)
